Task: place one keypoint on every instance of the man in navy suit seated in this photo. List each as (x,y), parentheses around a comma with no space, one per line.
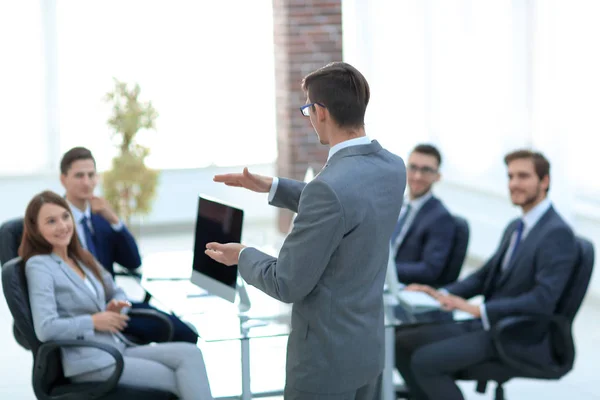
(526,275)
(103,234)
(424,235)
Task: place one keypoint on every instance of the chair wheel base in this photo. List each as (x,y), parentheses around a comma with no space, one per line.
(499,392)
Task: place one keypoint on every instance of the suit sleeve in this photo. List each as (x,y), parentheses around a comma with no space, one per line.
(555,262)
(474,284)
(287,194)
(47,323)
(435,256)
(126,252)
(306,252)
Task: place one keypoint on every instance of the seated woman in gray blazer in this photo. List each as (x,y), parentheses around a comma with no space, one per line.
(73,297)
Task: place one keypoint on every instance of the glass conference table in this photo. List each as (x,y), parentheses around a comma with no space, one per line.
(166,277)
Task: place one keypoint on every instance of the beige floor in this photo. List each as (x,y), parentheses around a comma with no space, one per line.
(268,355)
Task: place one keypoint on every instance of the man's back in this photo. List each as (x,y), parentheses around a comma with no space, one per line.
(337,344)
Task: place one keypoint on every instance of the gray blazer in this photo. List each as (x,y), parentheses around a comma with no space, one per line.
(332,268)
(62,306)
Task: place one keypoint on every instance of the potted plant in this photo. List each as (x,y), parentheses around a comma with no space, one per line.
(130,186)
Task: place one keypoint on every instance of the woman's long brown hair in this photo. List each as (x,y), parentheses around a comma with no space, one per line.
(33,243)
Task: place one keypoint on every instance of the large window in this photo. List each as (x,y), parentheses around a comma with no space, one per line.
(455,73)
(386,41)
(206,66)
(476,87)
(481,78)
(22,117)
(567,71)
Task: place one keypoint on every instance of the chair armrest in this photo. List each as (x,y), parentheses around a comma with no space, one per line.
(163,319)
(563,326)
(100,390)
(128,273)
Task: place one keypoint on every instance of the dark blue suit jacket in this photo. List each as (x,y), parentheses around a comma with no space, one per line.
(531,284)
(114,246)
(425,250)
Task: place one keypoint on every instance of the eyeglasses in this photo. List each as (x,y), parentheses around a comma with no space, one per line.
(305,109)
(424,170)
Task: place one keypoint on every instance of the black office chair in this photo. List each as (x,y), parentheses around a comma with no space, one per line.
(11,233)
(49,382)
(458,253)
(561,322)
(10,239)
(450,274)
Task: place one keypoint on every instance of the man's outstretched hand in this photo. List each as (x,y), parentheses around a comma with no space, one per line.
(254,182)
(227,254)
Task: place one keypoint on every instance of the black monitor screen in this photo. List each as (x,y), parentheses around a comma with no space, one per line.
(220,223)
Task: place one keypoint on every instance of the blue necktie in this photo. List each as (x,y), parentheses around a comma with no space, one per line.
(89,238)
(519,231)
(399,225)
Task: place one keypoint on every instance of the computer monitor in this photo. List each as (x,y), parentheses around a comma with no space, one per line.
(222,223)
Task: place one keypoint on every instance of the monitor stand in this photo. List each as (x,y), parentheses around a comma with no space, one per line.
(243,301)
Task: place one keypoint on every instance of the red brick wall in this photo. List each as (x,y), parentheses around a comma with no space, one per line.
(308,35)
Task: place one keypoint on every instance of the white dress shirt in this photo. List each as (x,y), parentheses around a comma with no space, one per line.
(88,283)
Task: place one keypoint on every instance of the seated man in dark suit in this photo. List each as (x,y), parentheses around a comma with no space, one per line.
(424,234)
(102,233)
(526,275)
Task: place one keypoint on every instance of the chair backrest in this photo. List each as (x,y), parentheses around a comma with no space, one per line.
(563,344)
(10,239)
(14,285)
(577,286)
(11,233)
(457,254)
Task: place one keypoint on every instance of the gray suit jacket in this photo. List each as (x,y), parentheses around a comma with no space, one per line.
(332,267)
(62,307)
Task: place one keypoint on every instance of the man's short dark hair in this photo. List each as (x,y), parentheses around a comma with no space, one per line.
(540,162)
(342,89)
(75,154)
(430,150)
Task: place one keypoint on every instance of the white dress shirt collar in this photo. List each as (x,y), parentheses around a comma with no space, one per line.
(347,143)
(416,204)
(533,216)
(78,221)
(78,214)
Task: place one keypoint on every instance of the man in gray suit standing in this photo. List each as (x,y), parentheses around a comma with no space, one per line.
(333,263)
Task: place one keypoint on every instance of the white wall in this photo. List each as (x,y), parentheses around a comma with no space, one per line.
(176,201)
